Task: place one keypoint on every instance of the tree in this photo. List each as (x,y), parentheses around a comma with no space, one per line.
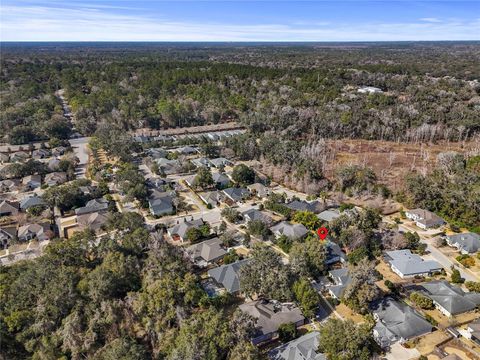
(473,286)
(258,228)
(287,332)
(121,349)
(336,345)
(243,175)
(307,297)
(231,215)
(203,179)
(308,219)
(193,235)
(308,258)
(362,288)
(266,275)
(456,277)
(413,240)
(210,150)
(421,300)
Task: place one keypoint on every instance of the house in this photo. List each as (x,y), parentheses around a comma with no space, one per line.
(473,330)
(466,243)
(31,201)
(19,156)
(424,219)
(270,315)
(8,208)
(254,214)
(190,180)
(32,182)
(300,205)
(161,203)
(329,215)
(168,166)
(55,178)
(303,348)
(53,164)
(206,252)
(142,139)
(93,221)
(40,154)
(236,194)
(396,321)
(228,275)
(221,180)
(220,162)
(341,279)
(157,153)
(87,190)
(450,299)
(33,231)
(369,90)
(258,190)
(201,162)
(405,264)
(179,231)
(186,150)
(95,205)
(292,231)
(214,198)
(7,233)
(334,254)
(9,185)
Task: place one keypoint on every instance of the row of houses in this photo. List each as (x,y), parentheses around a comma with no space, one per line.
(39,154)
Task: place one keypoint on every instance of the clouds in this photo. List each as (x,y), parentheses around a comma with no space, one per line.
(90,22)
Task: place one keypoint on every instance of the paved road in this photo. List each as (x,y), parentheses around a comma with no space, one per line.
(81,152)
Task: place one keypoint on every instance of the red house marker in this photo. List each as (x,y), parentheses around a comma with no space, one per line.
(322,233)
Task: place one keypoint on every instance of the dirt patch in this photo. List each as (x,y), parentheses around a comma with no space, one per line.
(391,161)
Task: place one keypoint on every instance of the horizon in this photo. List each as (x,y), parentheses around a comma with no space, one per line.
(239,21)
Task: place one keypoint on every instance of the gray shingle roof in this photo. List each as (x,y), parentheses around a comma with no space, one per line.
(31,201)
(303,348)
(293,231)
(182,228)
(396,321)
(236,194)
(468,242)
(298,205)
(228,275)
(93,206)
(342,279)
(451,298)
(411,264)
(270,315)
(208,250)
(160,203)
(254,214)
(329,215)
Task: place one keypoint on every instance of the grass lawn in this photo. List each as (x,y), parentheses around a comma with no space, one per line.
(346,313)
(427,343)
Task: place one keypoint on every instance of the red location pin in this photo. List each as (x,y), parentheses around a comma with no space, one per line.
(322,233)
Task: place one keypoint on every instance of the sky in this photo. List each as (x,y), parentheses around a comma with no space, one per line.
(207,20)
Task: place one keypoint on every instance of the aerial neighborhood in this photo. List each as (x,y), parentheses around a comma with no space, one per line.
(240,202)
(253,242)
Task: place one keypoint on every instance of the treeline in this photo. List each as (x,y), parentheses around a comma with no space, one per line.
(155,89)
(126,296)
